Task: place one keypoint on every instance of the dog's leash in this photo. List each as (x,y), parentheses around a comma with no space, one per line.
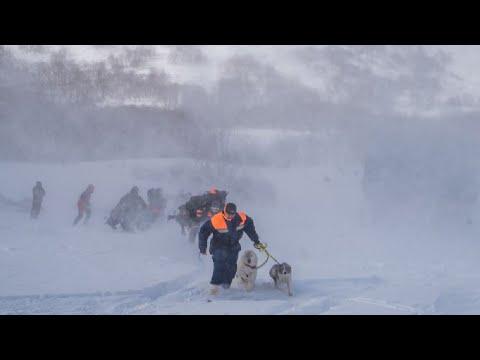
(257,267)
(264,249)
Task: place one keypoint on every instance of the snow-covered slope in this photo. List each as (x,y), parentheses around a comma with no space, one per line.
(346,259)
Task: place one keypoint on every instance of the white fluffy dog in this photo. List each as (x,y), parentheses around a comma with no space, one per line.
(246,270)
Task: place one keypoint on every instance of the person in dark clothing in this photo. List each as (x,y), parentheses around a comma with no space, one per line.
(158,203)
(214,209)
(196,213)
(38,194)
(151,196)
(197,210)
(199,206)
(156,207)
(127,211)
(215,195)
(227,228)
(84,206)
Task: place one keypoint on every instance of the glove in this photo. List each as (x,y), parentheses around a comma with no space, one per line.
(259,246)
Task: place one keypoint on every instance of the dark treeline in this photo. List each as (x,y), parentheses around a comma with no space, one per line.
(59,110)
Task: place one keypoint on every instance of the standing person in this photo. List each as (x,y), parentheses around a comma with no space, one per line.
(38,194)
(84,205)
(161,202)
(227,228)
(156,202)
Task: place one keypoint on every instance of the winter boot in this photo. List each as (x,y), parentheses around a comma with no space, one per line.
(213,291)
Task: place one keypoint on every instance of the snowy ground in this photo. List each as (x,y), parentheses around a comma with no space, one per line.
(345,260)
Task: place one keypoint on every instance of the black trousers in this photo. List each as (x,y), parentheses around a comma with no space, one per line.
(224,264)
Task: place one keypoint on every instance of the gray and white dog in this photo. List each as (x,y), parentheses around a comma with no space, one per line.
(282,274)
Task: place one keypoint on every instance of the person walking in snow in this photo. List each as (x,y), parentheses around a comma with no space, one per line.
(38,194)
(227,228)
(84,206)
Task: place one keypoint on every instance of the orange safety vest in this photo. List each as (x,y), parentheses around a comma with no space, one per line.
(220,223)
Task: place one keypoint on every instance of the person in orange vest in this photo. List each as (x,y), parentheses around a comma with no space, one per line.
(227,228)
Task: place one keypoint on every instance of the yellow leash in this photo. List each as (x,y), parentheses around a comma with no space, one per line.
(258,267)
(263,248)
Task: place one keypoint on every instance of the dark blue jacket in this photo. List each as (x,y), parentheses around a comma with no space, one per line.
(229,237)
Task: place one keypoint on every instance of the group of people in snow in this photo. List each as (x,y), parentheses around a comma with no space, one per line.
(198,209)
(131,212)
(202,215)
